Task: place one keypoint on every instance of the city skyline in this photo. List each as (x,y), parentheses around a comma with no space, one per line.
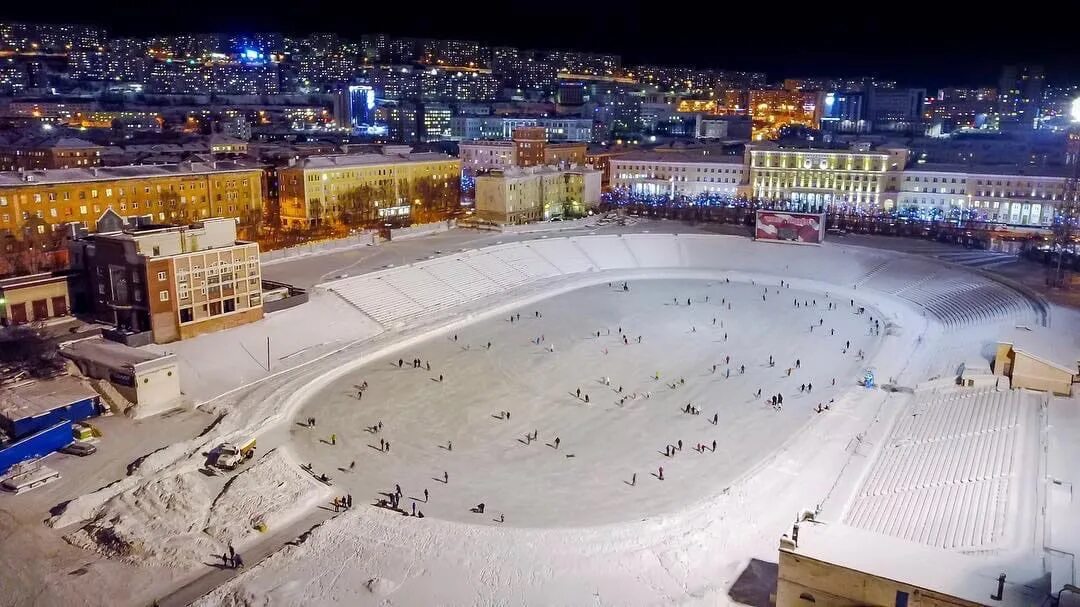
(966,54)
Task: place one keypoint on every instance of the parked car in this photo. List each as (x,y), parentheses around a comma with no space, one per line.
(79,448)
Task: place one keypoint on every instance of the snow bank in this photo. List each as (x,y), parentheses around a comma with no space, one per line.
(159,523)
(272,491)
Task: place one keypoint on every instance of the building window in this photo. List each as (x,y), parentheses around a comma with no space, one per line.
(901,598)
(186,315)
(163,295)
(161,275)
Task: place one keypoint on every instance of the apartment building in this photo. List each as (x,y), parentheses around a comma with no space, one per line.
(169,193)
(519,195)
(360,188)
(176,282)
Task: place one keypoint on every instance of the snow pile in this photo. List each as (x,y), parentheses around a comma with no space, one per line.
(272,492)
(159,524)
(181,516)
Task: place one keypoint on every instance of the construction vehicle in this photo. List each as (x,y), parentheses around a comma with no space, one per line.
(231,455)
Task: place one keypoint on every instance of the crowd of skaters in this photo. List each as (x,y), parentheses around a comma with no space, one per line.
(776,400)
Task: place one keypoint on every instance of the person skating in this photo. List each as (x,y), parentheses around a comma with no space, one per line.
(742,369)
(352,465)
(445,478)
(633,479)
(388,446)
(348,500)
(428,365)
(586,399)
(579,393)
(400,363)
(661,471)
(449,445)
(414,508)
(557,441)
(382,444)
(714,445)
(798,363)
(440,378)
(397,490)
(809,387)
(716,418)
(425,496)
(680,444)
(333,439)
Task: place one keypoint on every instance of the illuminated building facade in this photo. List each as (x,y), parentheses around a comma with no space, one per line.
(824,178)
(176,193)
(519,195)
(529,147)
(367,187)
(683,173)
(1011,194)
(961,108)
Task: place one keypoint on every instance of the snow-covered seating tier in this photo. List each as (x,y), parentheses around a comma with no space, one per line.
(955,297)
(945,472)
(654,250)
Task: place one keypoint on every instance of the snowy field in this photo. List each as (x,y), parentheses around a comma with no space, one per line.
(589,478)
(556,530)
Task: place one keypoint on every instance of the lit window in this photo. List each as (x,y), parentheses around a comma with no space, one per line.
(163,295)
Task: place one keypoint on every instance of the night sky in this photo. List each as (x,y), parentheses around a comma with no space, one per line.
(922,44)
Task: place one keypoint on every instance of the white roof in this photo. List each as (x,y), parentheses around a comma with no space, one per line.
(36,397)
(971,578)
(1057,349)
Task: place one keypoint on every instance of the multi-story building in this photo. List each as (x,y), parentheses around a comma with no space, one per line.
(529,147)
(821,178)
(679,173)
(176,193)
(519,195)
(177,282)
(1012,194)
(435,121)
(36,153)
(14,76)
(356,189)
(503,127)
(895,109)
(1020,93)
(961,108)
(49,37)
(844,112)
(484,154)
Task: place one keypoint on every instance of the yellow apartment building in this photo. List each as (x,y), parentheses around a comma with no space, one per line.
(361,188)
(172,193)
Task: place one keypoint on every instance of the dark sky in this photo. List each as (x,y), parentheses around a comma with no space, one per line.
(918,43)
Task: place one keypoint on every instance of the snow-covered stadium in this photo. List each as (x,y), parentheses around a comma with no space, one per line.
(609,399)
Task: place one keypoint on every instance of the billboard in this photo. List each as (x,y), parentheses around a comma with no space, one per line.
(796,228)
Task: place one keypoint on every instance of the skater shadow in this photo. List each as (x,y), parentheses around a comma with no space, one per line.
(551,445)
(628,483)
(388,494)
(655,475)
(444,447)
(523,441)
(371,430)
(497,416)
(327,508)
(439,480)
(302,425)
(217,565)
(373,447)
(323,440)
(343,469)
(434,379)
(664,454)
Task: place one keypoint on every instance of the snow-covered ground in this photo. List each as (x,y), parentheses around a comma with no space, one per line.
(603,443)
(577,530)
